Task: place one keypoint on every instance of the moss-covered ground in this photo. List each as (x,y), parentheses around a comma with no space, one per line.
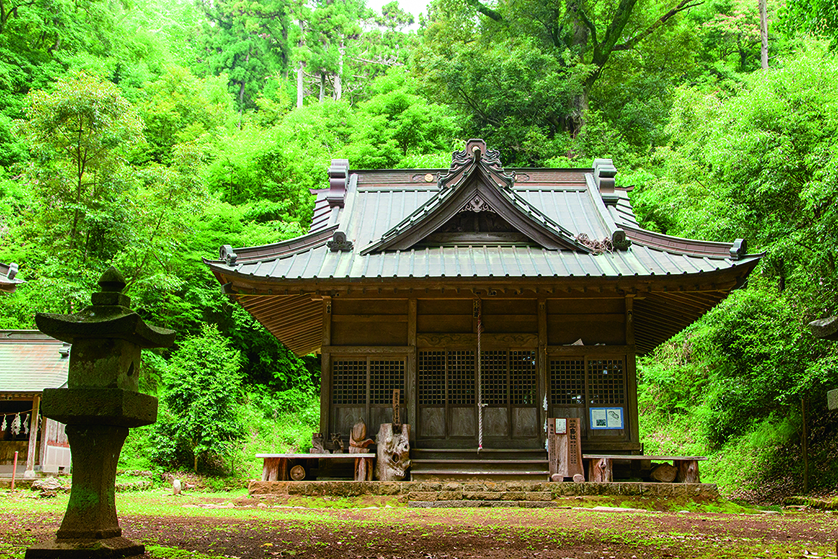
(232,525)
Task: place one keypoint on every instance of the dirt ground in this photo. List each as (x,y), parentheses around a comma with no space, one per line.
(246,529)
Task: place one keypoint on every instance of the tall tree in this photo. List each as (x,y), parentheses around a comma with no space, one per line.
(249,40)
(763,33)
(79,134)
(573,40)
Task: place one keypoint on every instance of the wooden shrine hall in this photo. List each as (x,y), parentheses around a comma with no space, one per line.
(492,298)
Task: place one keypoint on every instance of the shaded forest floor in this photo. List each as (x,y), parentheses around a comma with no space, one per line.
(214,526)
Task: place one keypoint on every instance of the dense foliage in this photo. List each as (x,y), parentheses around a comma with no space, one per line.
(147,136)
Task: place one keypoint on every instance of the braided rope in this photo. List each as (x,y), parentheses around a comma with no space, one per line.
(479,387)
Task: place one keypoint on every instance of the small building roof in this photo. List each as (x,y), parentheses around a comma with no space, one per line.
(31,361)
(551,227)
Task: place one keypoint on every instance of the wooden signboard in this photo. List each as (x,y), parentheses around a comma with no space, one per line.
(563,448)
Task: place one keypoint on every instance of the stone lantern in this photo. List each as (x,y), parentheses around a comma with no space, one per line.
(101,403)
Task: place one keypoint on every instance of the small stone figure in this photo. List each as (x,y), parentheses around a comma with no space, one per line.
(359,444)
(393,452)
(337,443)
(317,444)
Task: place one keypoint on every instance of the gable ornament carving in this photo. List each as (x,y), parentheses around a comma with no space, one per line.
(477,204)
(467,161)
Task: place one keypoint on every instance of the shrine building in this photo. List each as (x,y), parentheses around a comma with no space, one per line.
(492,298)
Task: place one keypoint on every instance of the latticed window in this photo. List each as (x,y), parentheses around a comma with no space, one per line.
(606,381)
(494,378)
(431,381)
(567,382)
(507,377)
(349,381)
(386,376)
(461,377)
(522,377)
(350,378)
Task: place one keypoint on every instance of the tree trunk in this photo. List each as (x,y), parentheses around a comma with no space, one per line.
(763,33)
(805,445)
(338,83)
(300,84)
(322,85)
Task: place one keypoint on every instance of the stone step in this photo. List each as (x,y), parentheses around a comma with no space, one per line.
(506,466)
(473,475)
(493,504)
(490,455)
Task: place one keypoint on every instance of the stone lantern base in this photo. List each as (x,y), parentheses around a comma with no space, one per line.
(110,548)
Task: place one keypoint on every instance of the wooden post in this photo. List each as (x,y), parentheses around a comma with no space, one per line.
(14,471)
(541,364)
(552,450)
(326,369)
(396,416)
(410,395)
(574,447)
(33,437)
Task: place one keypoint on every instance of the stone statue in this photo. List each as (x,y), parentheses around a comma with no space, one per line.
(317,444)
(393,452)
(337,443)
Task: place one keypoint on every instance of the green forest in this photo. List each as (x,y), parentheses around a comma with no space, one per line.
(145,134)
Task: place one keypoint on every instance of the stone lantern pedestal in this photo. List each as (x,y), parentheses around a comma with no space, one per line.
(101,403)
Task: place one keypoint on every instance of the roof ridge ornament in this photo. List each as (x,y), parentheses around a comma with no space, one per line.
(475,157)
(339,242)
(338,179)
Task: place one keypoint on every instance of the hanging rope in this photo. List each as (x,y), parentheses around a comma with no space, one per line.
(479,384)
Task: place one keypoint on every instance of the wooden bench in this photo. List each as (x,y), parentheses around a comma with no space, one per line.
(601,466)
(278,467)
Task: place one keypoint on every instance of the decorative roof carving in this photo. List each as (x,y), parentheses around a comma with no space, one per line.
(339,242)
(475,157)
(477,183)
(739,249)
(338,177)
(477,204)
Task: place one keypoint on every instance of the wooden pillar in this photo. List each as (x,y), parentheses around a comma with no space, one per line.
(542,366)
(631,373)
(410,380)
(326,371)
(33,437)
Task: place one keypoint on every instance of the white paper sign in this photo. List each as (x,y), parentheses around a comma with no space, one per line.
(607,418)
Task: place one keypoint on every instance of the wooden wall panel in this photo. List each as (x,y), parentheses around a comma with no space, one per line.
(510,323)
(379,415)
(443,324)
(583,306)
(495,422)
(525,422)
(444,316)
(462,422)
(509,306)
(432,424)
(369,333)
(593,329)
(445,306)
(369,306)
(343,418)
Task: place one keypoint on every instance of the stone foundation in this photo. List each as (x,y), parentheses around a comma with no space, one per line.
(512,493)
